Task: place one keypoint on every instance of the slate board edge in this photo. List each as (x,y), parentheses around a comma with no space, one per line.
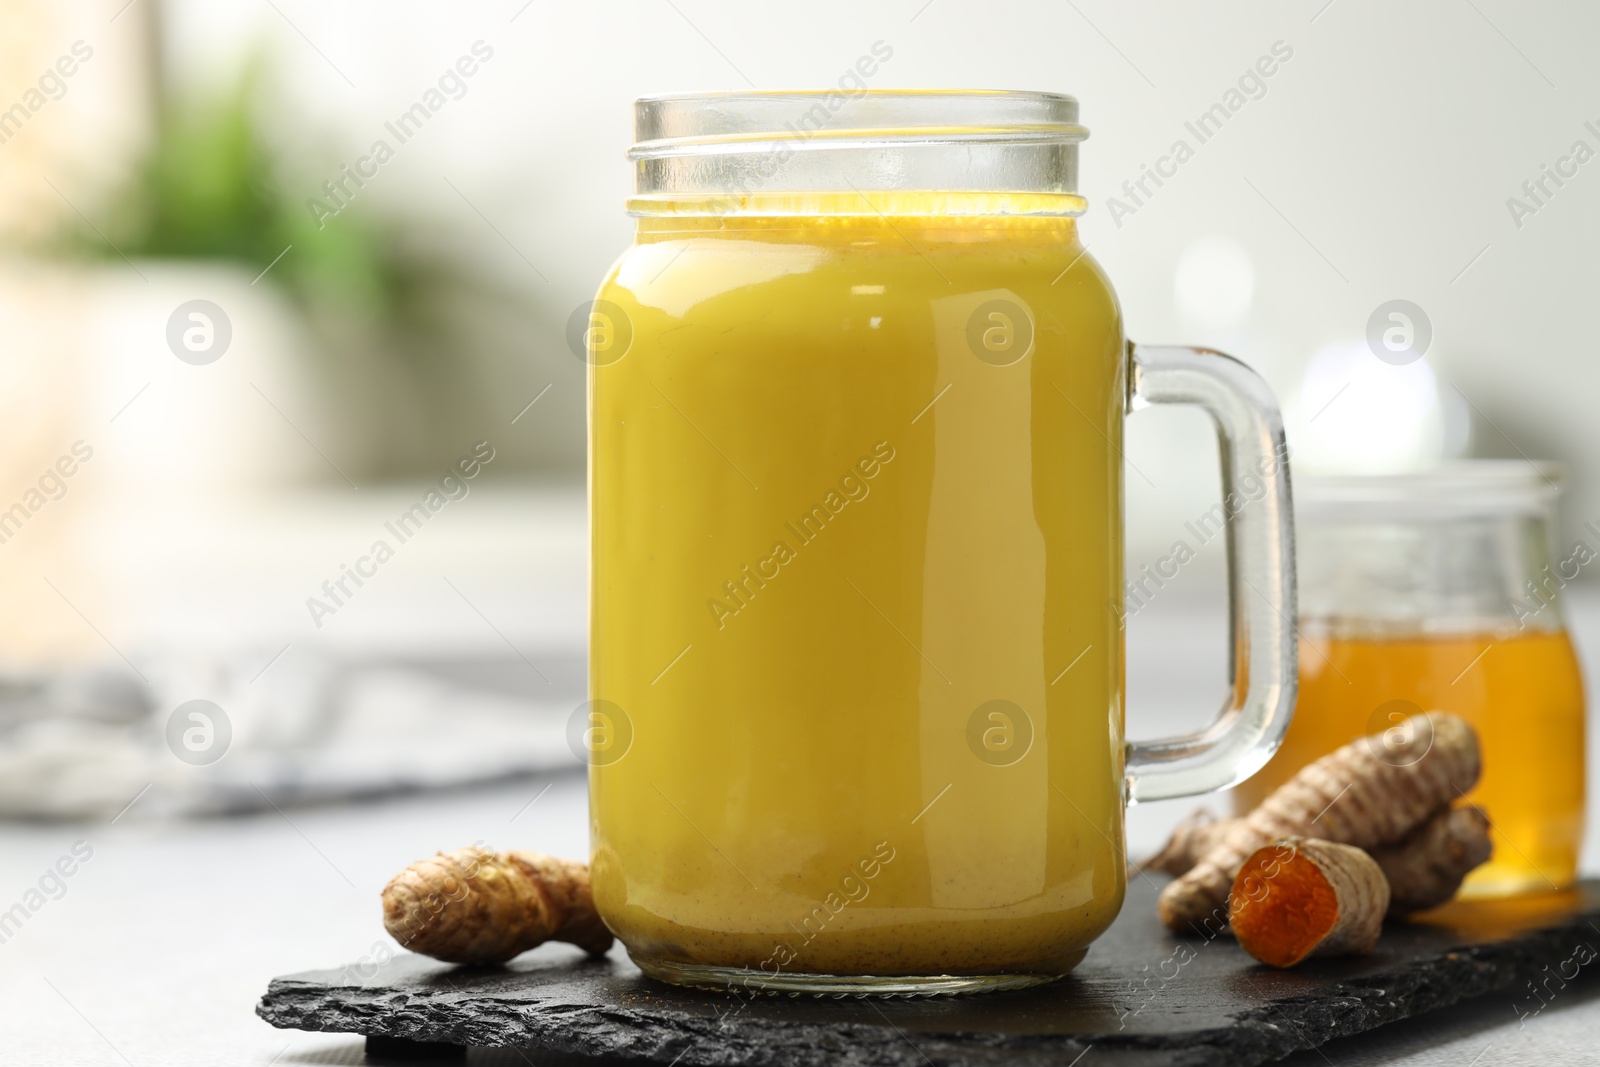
(1258,1035)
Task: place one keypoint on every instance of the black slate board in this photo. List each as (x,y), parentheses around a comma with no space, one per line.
(1142,997)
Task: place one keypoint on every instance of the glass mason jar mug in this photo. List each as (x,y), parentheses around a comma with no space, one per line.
(1441,591)
(856,406)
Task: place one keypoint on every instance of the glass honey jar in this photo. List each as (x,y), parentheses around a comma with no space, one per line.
(1442,591)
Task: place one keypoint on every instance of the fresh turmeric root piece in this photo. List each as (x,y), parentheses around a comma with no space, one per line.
(1426,869)
(476,906)
(1372,792)
(1301,897)
(1191,839)
(1423,870)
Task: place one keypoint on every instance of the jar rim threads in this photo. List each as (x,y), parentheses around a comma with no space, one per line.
(1457,489)
(762,153)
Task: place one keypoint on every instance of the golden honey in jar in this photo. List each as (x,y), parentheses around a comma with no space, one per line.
(1442,591)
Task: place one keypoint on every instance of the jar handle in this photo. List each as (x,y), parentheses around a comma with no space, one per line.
(1261,576)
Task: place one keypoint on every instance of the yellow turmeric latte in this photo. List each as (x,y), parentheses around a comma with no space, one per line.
(856,502)
(1520,690)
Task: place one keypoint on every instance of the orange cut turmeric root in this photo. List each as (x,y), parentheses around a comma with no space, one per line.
(1424,869)
(476,906)
(1372,792)
(1302,897)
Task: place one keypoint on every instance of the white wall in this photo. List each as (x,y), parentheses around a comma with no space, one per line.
(1376,166)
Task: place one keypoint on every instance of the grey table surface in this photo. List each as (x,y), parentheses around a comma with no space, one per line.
(166,935)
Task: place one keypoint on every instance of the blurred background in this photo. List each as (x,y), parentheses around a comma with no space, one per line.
(241,341)
(386,250)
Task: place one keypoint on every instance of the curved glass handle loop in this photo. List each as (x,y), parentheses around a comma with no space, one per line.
(1261,590)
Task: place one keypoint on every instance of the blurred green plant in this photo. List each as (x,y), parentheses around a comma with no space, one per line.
(395,306)
(208,187)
